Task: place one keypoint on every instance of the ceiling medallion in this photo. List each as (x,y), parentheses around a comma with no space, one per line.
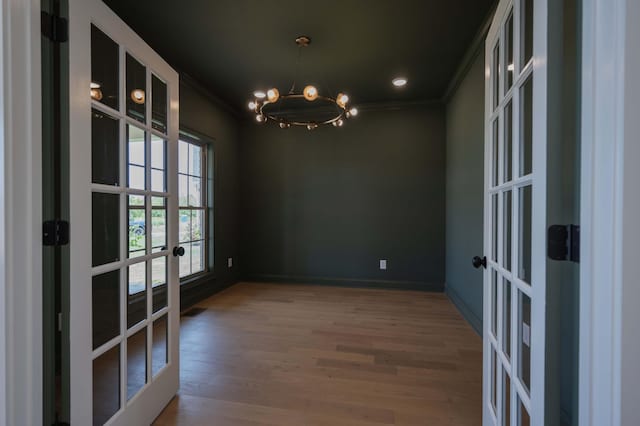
(308,108)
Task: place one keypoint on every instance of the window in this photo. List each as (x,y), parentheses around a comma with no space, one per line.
(192,202)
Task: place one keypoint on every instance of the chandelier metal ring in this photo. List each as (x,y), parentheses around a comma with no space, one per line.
(311,94)
(341,113)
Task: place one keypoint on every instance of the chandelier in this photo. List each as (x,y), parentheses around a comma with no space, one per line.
(308,108)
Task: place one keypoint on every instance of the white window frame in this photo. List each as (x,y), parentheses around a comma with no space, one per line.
(204,167)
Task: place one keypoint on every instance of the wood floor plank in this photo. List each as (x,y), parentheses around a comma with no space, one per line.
(274,354)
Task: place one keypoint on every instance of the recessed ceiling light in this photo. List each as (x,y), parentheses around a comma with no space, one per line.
(259,94)
(399,81)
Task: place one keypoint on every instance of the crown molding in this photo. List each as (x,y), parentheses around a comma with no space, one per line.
(474,49)
(202,89)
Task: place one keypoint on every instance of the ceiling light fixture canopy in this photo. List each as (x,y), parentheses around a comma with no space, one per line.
(307,109)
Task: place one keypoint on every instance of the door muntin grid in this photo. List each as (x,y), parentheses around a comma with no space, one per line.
(508,204)
(140,269)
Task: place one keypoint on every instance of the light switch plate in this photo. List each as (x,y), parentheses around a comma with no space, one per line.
(383,264)
(230,262)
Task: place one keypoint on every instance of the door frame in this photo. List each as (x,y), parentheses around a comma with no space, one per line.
(21,231)
(610,206)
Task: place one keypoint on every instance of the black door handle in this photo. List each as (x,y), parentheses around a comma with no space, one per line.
(178,251)
(478,261)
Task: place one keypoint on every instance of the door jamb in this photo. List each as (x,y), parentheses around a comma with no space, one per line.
(609,336)
(21,214)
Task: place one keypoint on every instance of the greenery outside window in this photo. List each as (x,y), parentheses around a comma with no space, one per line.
(192,202)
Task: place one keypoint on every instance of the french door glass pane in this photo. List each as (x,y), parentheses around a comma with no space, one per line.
(495,77)
(137,225)
(524,236)
(494,227)
(523,415)
(159,282)
(159,352)
(508,46)
(158,224)
(526,129)
(106,385)
(136,362)
(105,151)
(159,104)
(524,340)
(506,398)
(506,231)
(136,89)
(158,164)
(495,152)
(508,142)
(136,157)
(105,307)
(105,63)
(105,228)
(137,294)
(494,303)
(494,380)
(526,26)
(506,317)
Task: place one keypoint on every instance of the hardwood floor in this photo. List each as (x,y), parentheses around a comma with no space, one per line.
(272,354)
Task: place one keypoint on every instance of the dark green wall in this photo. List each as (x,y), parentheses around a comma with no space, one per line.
(465,191)
(201,113)
(325,206)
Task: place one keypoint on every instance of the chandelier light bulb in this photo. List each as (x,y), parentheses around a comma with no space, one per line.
(259,94)
(261,118)
(342,100)
(252,106)
(353,112)
(284,125)
(310,93)
(137,96)
(273,95)
(96,94)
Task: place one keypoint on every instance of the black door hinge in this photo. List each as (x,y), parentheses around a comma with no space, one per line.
(55,233)
(563,242)
(55,28)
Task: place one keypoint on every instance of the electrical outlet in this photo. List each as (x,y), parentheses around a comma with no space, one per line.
(383,264)
(230,262)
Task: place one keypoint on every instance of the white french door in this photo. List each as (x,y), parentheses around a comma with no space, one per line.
(514,220)
(124,291)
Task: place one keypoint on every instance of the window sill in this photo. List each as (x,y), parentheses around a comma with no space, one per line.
(196,280)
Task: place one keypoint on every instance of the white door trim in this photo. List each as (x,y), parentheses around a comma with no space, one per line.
(610,199)
(21,214)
